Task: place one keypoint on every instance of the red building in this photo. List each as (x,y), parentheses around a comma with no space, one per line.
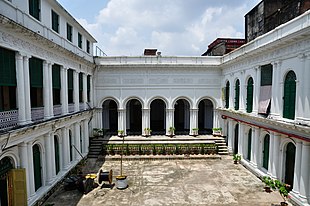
(222,46)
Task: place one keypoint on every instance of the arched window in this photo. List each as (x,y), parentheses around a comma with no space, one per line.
(37,167)
(227,95)
(237,94)
(289,95)
(249,96)
(70,145)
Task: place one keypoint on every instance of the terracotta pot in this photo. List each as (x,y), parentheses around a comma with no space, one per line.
(284,204)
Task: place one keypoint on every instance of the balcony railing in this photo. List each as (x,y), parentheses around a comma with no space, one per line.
(37,113)
(8,119)
(81,106)
(71,108)
(57,110)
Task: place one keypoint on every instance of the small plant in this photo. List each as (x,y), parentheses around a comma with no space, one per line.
(269,183)
(195,131)
(97,132)
(147,131)
(121,133)
(171,131)
(217,131)
(236,158)
(283,190)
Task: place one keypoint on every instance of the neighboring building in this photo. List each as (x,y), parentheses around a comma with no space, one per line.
(269,14)
(46,72)
(222,46)
(53,95)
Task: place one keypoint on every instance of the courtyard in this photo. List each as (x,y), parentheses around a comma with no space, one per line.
(173,182)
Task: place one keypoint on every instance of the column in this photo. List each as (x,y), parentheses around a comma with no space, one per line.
(86,135)
(257,153)
(64,89)
(145,119)
(49,159)
(46,100)
(193,120)
(276,153)
(306,89)
(31,191)
(169,119)
(253,147)
(85,91)
(50,85)
(304,173)
(242,93)
(91,91)
(77,138)
(241,138)
(230,135)
(274,110)
(231,95)
(66,147)
(297,169)
(20,88)
(270,161)
(76,91)
(23,155)
(278,95)
(27,89)
(122,120)
(256,90)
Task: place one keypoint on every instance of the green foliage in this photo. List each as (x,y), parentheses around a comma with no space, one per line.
(277,185)
(236,157)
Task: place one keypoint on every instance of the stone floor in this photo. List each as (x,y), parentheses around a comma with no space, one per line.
(174,182)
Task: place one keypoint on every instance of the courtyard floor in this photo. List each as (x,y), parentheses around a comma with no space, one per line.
(173,182)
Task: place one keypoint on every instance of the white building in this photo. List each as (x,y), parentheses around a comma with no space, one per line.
(258,94)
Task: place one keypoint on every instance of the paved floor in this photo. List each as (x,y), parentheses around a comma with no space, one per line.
(174,182)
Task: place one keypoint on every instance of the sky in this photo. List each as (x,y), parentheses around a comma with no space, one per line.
(174,27)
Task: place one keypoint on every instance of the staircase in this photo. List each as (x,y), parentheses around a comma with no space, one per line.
(95,146)
(221,145)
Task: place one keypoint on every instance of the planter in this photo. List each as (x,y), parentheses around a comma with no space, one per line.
(284,204)
(267,189)
(121,182)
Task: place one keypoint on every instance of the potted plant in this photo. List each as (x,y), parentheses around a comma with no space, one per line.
(236,158)
(217,131)
(269,183)
(97,132)
(195,132)
(120,133)
(171,131)
(283,190)
(147,132)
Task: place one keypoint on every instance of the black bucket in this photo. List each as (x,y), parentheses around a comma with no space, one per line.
(105,176)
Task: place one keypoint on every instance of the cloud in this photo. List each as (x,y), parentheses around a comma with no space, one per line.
(175,27)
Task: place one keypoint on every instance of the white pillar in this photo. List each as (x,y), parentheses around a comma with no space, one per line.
(85,91)
(297,168)
(77,141)
(30,169)
(256,90)
(46,100)
(275,86)
(64,89)
(193,120)
(86,136)
(242,93)
(122,120)
(230,135)
(169,119)
(27,89)
(24,163)
(76,91)
(241,140)
(145,119)
(50,86)
(253,147)
(276,154)
(66,147)
(20,88)
(49,158)
(306,89)
(270,160)
(304,173)
(91,103)
(257,153)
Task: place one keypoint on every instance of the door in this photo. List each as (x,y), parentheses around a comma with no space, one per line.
(266,151)
(57,161)
(37,167)
(249,144)
(290,164)
(236,139)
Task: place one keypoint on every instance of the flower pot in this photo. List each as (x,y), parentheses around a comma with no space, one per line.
(267,189)
(121,182)
(284,204)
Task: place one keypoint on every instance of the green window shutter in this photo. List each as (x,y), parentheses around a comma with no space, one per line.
(249,144)
(80,40)
(70,79)
(81,81)
(266,151)
(34,8)
(56,76)
(7,68)
(227,95)
(289,95)
(237,94)
(249,96)
(36,72)
(266,75)
(55,21)
(88,82)
(69,32)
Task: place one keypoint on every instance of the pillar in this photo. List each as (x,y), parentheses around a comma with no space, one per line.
(76,91)
(64,89)
(242,93)
(297,169)
(276,155)
(122,120)
(49,158)
(91,92)
(257,153)
(230,135)
(27,89)
(24,163)
(20,88)
(86,135)
(270,161)
(145,119)
(306,89)
(256,90)
(253,147)
(275,89)
(169,119)
(46,91)
(30,170)
(193,120)
(85,91)
(77,141)
(65,147)
(304,186)
(50,85)
(241,138)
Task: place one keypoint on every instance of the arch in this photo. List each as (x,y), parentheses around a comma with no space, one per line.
(289,98)
(110,116)
(227,88)
(57,156)
(134,117)
(158,116)
(266,144)
(237,94)
(249,144)
(211,99)
(182,116)
(149,102)
(182,97)
(290,153)
(125,102)
(109,98)
(249,95)
(205,116)
(236,139)
(6,164)
(37,166)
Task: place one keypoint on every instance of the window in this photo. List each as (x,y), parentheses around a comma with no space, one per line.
(237,94)
(249,96)
(88,88)
(7,80)
(34,8)
(87,46)
(227,95)
(265,89)
(249,145)
(69,32)
(36,81)
(81,87)
(55,21)
(70,86)
(80,40)
(56,84)
(266,75)
(289,95)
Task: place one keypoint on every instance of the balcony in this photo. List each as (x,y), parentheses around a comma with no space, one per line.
(71,108)
(57,110)
(8,119)
(37,113)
